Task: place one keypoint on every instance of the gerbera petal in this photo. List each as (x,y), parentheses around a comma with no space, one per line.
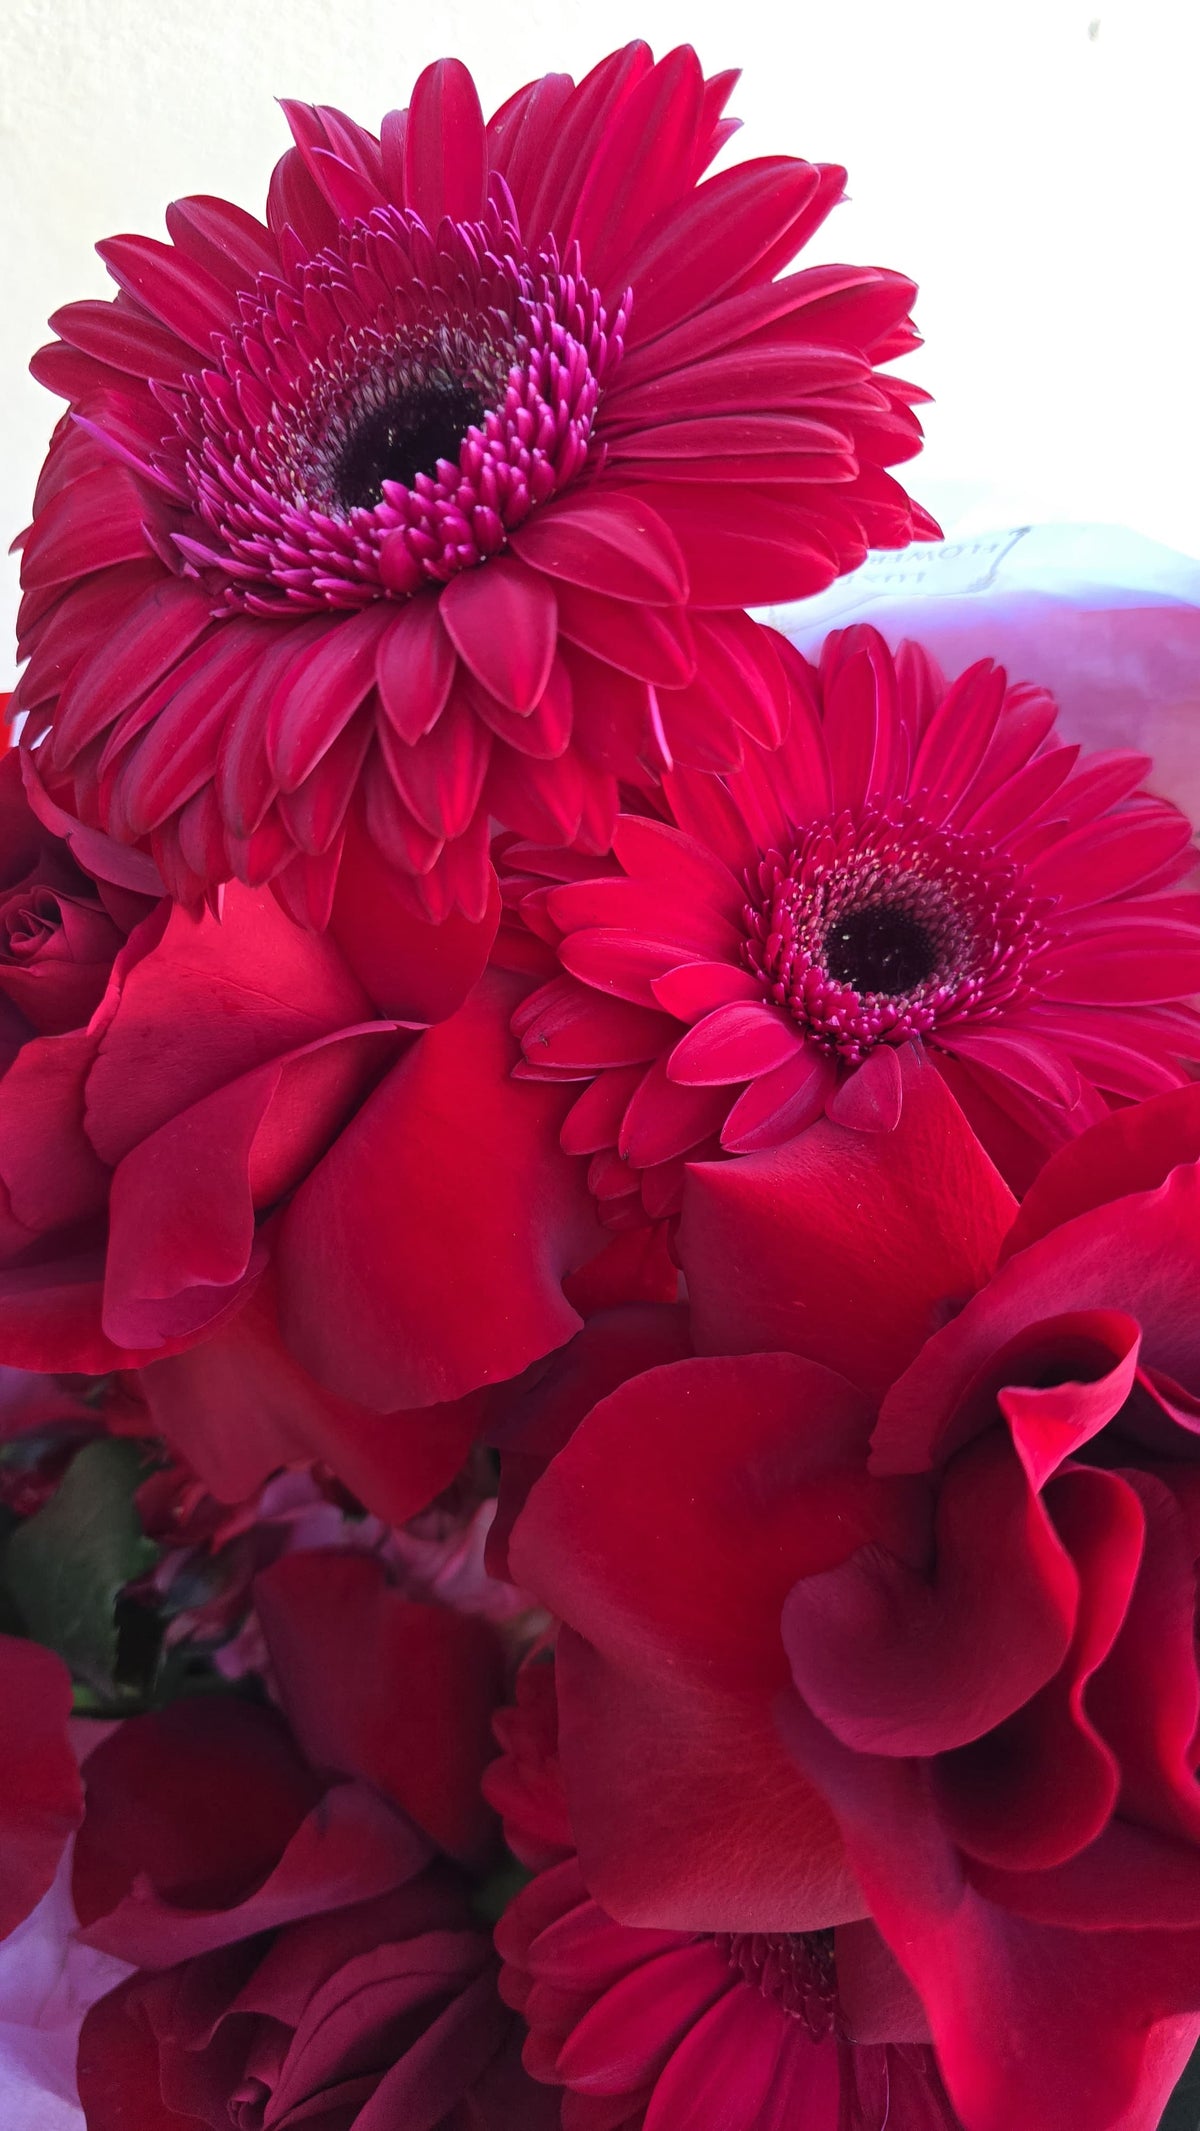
(414,668)
(1040,1067)
(651,643)
(581,124)
(614,543)
(445,154)
(695,988)
(523,133)
(160,629)
(707,246)
(440,778)
(869,1100)
(663,1119)
(619,963)
(627,2035)
(780,1103)
(223,239)
(123,338)
(773,546)
(320,695)
(735,1042)
(1110,856)
(641,164)
(179,292)
(503,622)
(98,521)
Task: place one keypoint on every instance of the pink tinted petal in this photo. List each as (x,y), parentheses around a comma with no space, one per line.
(414,668)
(627,2035)
(1038,1067)
(502,621)
(618,963)
(445,156)
(407,967)
(729,2064)
(238,1406)
(1133,1150)
(780,1104)
(870,1099)
(178,291)
(1138,1258)
(1045,1785)
(696,988)
(735,1042)
(663,1120)
(613,542)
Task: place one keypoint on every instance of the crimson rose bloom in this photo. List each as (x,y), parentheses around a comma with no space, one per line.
(433,493)
(744,2029)
(158,1145)
(979,1655)
(301,1955)
(919,863)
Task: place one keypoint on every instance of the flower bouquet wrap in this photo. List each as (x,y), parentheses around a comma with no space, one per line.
(599,1186)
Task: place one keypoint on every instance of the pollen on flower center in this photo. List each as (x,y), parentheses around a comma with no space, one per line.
(876,928)
(794,1968)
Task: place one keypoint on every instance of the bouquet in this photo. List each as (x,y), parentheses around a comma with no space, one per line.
(600,1215)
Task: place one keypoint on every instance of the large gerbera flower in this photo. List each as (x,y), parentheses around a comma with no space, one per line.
(432,488)
(917,864)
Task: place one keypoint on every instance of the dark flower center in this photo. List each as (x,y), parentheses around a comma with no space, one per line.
(404,437)
(396,409)
(795,1969)
(880,949)
(28,925)
(875,928)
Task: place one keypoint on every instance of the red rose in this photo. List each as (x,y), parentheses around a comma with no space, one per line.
(192,1182)
(977,1657)
(300,1949)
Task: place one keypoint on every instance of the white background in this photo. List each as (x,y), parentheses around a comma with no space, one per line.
(1032,163)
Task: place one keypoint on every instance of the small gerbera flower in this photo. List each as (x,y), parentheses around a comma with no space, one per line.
(436,494)
(667,2029)
(917,864)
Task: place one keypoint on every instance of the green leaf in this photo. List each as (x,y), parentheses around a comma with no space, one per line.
(502,1885)
(1183,2109)
(66,1567)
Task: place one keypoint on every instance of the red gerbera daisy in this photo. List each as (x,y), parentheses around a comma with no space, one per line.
(671,2029)
(916,864)
(432,488)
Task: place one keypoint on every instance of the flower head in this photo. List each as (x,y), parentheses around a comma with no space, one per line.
(424,498)
(918,863)
(639,2026)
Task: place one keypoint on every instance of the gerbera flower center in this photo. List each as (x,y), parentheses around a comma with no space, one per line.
(415,426)
(876,928)
(882,948)
(391,415)
(795,1969)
